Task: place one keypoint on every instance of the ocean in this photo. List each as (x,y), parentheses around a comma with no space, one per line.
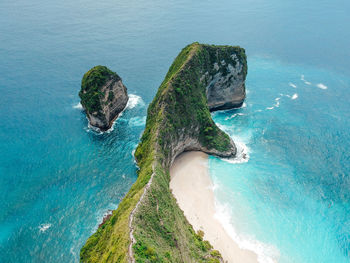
(286,195)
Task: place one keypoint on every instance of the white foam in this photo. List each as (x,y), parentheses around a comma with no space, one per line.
(305,81)
(44,227)
(234,115)
(277,104)
(266,253)
(242,155)
(321,86)
(133,101)
(295,96)
(244,105)
(78,106)
(292,85)
(269,108)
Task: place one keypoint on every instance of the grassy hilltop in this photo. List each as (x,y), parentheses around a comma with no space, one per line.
(178,119)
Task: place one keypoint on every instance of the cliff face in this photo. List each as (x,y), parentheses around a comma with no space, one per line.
(226,84)
(148,225)
(103,96)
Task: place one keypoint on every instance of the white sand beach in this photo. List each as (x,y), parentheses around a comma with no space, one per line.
(192,187)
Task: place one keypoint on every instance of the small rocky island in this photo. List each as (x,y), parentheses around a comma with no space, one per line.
(103,96)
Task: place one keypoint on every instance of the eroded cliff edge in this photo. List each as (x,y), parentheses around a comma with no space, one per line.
(103,96)
(148,225)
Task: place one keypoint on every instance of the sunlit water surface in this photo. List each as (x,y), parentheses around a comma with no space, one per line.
(289,202)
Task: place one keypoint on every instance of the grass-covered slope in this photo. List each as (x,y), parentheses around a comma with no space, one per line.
(178,119)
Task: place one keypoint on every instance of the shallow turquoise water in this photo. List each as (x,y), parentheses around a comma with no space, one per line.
(293,193)
(58,178)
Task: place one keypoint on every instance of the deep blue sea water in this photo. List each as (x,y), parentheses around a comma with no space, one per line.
(290,201)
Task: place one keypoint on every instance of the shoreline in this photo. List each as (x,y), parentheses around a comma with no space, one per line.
(192,187)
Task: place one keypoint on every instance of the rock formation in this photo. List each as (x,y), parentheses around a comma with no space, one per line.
(226,88)
(103,96)
(148,225)
(225,80)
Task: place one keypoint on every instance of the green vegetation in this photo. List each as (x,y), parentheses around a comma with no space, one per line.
(179,110)
(91,84)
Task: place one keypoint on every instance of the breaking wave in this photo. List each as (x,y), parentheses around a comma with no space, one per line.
(321,86)
(234,115)
(78,106)
(44,227)
(266,253)
(133,101)
(292,85)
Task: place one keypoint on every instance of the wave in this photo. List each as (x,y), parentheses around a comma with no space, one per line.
(295,96)
(242,155)
(270,108)
(133,101)
(244,105)
(266,253)
(234,115)
(44,227)
(292,85)
(78,106)
(304,80)
(321,86)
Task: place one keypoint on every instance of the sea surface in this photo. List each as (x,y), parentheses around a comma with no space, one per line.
(286,196)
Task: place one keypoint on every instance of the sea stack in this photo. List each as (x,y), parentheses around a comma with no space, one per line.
(103,96)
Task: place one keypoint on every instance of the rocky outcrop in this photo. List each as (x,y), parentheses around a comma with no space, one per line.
(225,84)
(103,96)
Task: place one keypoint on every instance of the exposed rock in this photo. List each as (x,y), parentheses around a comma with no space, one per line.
(103,96)
(226,82)
(178,120)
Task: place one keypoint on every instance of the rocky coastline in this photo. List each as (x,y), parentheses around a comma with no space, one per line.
(148,225)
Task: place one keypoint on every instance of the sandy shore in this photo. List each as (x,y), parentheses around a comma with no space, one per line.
(193,189)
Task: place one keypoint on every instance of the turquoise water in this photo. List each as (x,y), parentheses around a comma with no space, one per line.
(290,200)
(58,178)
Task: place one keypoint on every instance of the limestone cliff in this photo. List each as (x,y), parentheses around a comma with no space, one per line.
(148,225)
(103,96)
(226,82)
